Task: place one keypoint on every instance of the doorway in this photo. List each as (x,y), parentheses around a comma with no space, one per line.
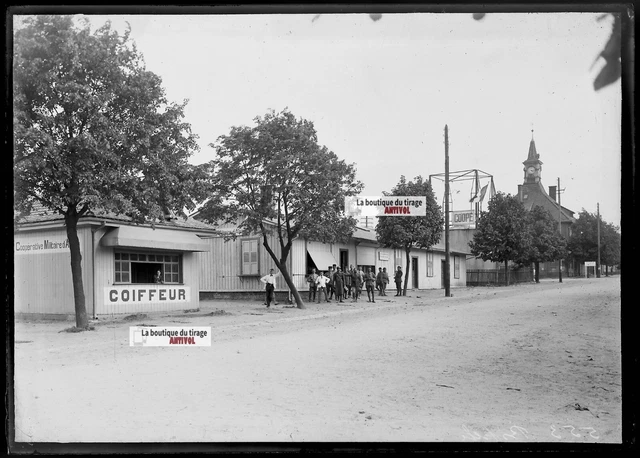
(344,259)
(442,277)
(414,272)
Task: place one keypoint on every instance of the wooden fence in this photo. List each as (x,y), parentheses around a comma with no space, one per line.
(481,277)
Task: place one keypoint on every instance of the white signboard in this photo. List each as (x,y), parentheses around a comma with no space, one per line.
(360,206)
(146,294)
(462,219)
(173,336)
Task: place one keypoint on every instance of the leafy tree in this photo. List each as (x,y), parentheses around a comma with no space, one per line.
(407,232)
(94,132)
(275,177)
(610,245)
(546,242)
(583,243)
(501,234)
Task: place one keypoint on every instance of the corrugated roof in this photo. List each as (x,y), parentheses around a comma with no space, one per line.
(365,234)
(40,214)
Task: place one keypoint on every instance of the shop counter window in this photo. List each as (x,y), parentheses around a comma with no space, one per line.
(141,267)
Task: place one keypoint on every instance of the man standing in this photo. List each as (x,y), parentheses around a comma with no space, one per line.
(348,281)
(330,282)
(338,284)
(321,281)
(379,281)
(354,284)
(270,286)
(313,285)
(398,279)
(385,281)
(370,280)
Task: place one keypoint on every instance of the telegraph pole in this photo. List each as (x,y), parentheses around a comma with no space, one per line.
(560,230)
(598,265)
(447,285)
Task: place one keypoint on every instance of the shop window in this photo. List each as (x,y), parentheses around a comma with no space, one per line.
(429,263)
(456,267)
(141,267)
(249,264)
(397,255)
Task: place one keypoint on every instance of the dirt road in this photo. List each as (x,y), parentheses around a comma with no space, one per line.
(526,363)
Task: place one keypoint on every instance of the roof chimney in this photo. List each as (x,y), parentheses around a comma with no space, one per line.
(552,192)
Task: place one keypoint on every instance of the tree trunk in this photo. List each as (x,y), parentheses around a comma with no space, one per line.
(537,267)
(282,266)
(289,281)
(71,223)
(406,272)
(506,273)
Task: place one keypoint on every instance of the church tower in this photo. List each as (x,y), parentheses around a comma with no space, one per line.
(533,164)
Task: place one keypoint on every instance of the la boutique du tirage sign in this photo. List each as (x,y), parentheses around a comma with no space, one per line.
(462,219)
(359,206)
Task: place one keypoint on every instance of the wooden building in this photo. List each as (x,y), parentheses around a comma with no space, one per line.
(119,261)
(233,268)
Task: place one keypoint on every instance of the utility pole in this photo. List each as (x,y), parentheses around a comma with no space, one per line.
(447,269)
(560,230)
(598,265)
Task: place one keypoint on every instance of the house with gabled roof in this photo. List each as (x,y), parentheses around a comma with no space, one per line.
(532,193)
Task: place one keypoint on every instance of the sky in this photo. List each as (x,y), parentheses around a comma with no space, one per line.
(380,92)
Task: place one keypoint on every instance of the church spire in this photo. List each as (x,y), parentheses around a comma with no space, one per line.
(533,154)
(533,164)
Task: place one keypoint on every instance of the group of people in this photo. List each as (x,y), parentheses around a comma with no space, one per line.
(341,284)
(349,283)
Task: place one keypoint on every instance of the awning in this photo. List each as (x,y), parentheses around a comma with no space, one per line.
(158,239)
(322,259)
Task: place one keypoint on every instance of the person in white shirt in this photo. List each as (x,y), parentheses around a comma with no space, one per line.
(322,281)
(270,286)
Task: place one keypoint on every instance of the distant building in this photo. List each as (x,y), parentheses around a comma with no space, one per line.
(532,193)
(231,268)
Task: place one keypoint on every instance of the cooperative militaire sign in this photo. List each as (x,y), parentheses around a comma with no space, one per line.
(45,245)
(385,206)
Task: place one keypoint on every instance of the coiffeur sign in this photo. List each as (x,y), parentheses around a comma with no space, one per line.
(146,294)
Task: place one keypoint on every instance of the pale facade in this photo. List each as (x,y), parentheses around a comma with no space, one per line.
(119,261)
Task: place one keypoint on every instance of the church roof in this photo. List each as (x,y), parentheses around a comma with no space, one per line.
(534,194)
